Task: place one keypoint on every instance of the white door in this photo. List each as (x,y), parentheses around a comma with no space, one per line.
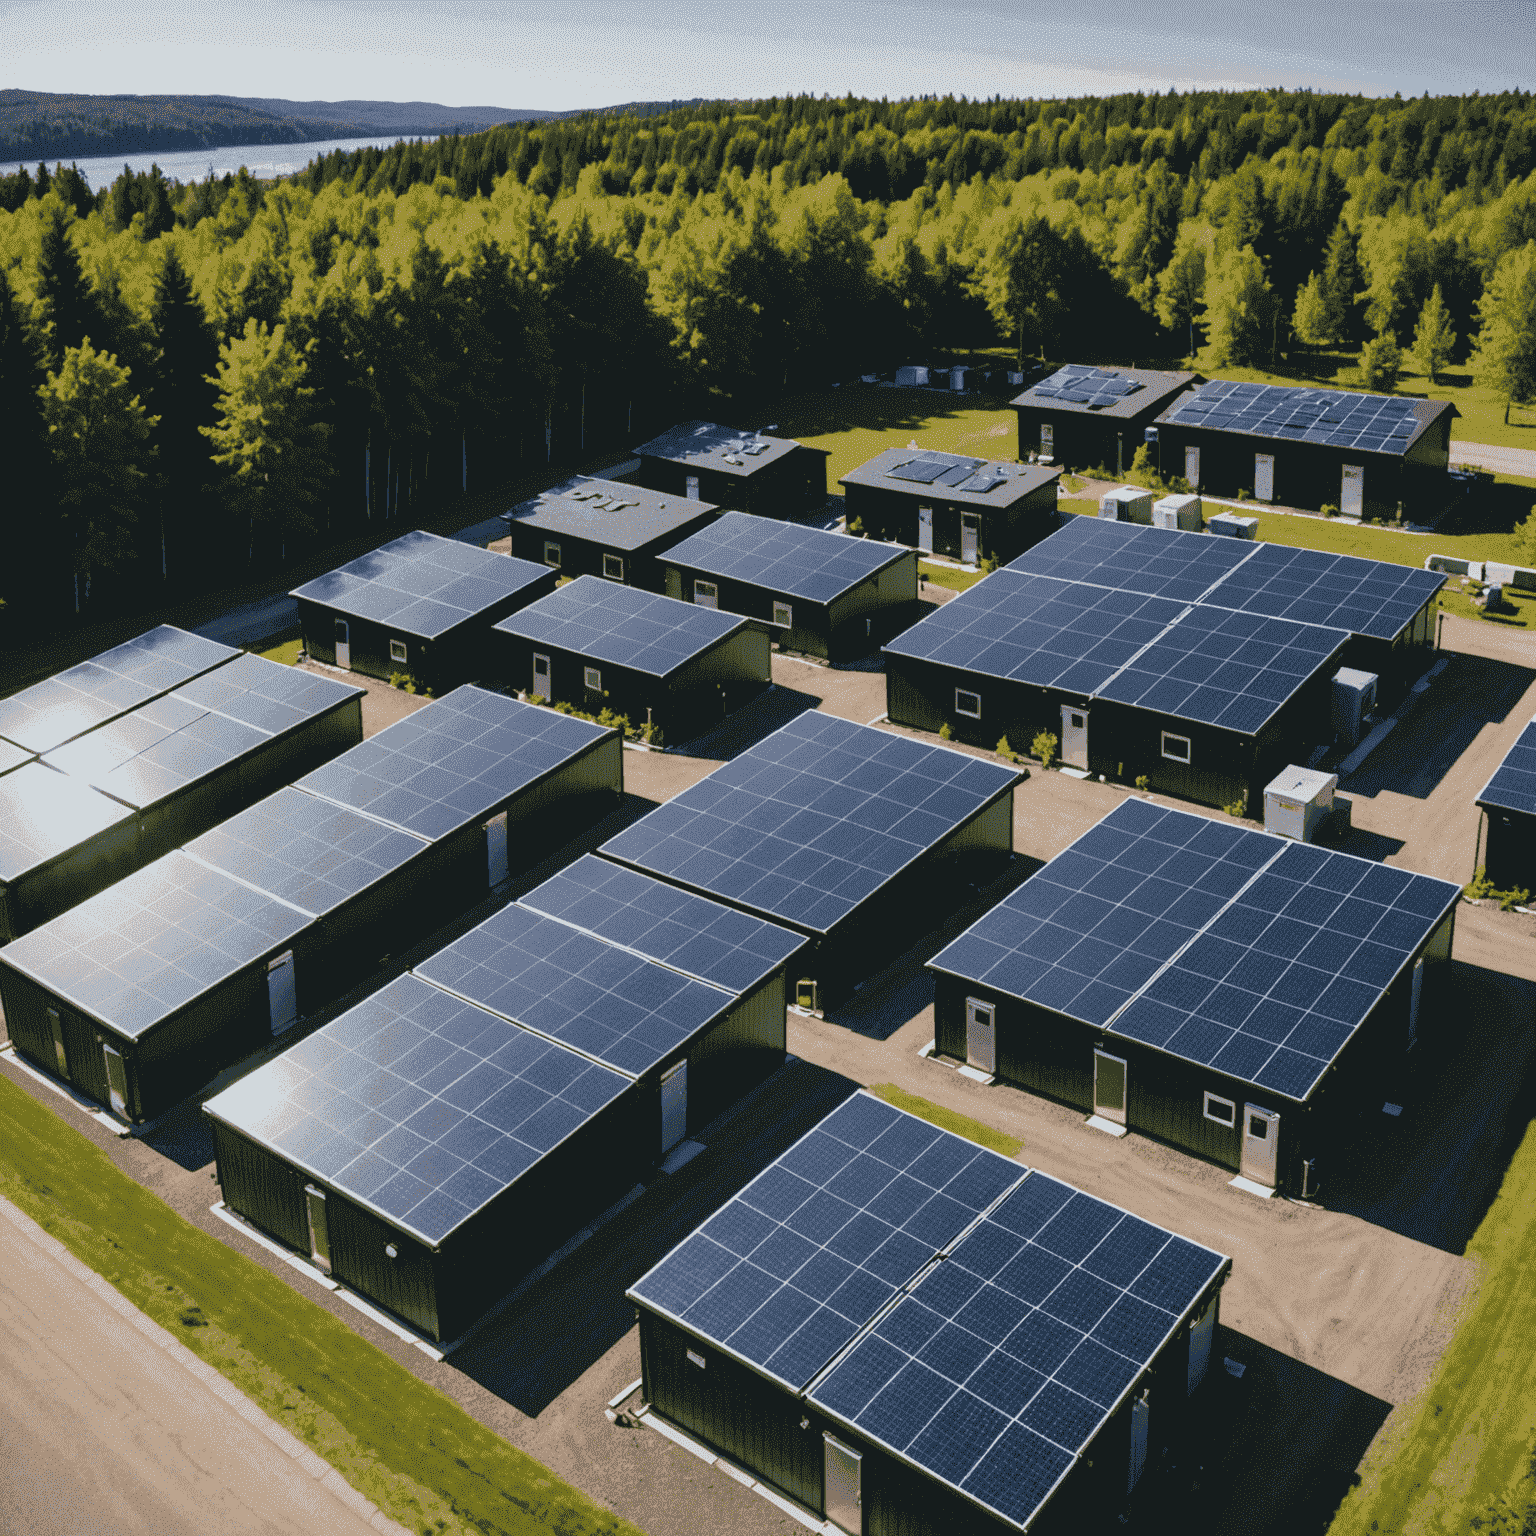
(496,868)
(1141,1415)
(692,491)
(1352,491)
(117,1079)
(925,529)
(1261,1141)
(1192,467)
(844,1492)
(706,594)
(1074,736)
(980,1035)
(970,537)
(282,993)
(541,684)
(1109,1086)
(1047,439)
(319,1231)
(674,1105)
(1413,1003)
(1201,1332)
(343,645)
(1264,476)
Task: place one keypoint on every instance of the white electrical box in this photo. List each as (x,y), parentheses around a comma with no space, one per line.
(1234,527)
(1354,699)
(1178,512)
(1298,801)
(1127,504)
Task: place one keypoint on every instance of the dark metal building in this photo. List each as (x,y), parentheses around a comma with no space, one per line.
(641,655)
(1367,455)
(944,503)
(1084,417)
(1508,801)
(822,593)
(587,527)
(910,1335)
(851,836)
(421,604)
(746,471)
(1234,993)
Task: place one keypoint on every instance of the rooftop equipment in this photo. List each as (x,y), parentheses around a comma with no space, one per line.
(1298,801)
(1234,527)
(1354,697)
(1126,504)
(1177,512)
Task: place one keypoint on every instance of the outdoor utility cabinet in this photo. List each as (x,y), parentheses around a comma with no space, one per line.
(1234,527)
(1177,512)
(1354,697)
(1298,801)
(1126,504)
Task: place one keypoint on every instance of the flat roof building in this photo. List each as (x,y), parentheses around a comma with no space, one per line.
(745,471)
(1508,801)
(821,593)
(1082,417)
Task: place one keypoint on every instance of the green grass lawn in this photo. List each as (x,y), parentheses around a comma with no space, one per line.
(948,576)
(414,1452)
(948,1119)
(287,652)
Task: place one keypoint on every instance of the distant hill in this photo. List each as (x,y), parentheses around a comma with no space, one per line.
(45,125)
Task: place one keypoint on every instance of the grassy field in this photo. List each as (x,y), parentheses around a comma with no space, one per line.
(947,576)
(411,1450)
(948,1119)
(287,652)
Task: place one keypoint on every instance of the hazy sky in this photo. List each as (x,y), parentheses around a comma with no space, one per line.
(579,53)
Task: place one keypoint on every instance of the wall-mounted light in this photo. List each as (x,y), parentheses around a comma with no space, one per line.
(390,1251)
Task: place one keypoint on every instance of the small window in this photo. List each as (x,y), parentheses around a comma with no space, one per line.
(695,1358)
(1176,748)
(1222,1111)
(706,594)
(397,651)
(551,553)
(592,678)
(783,615)
(613,567)
(1258,1128)
(968,704)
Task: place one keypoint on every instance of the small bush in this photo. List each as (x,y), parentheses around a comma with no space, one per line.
(855,526)
(988,564)
(1043,748)
(1328,509)
(1238,807)
(408,684)
(1481,889)
(1004,751)
(946,732)
(1244,494)
(1143,783)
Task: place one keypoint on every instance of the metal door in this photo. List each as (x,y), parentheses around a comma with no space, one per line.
(1192,467)
(1352,491)
(1074,736)
(282,993)
(970,537)
(980,1035)
(706,594)
(319,1232)
(1047,438)
(1201,1332)
(60,1055)
(925,529)
(1261,1144)
(844,1491)
(496,868)
(692,491)
(1141,1414)
(117,1079)
(674,1105)
(343,645)
(1109,1085)
(541,683)
(1264,476)
(1416,992)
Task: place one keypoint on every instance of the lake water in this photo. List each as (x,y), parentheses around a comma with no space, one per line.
(263,160)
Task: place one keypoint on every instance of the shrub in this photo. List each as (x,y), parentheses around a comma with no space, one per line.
(946,732)
(1328,509)
(854,525)
(408,684)
(1143,783)
(1043,748)
(1238,807)
(1244,494)
(1004,751)
(1481,889)
(988,564)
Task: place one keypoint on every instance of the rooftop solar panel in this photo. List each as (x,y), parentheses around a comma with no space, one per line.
(1233,949)
(999,1367)
(12,757)
(601,621)
(813,820)
(1513,785)
(453,762)
(1373,423)
(802,562)
(608,512)
(44,814)
(157,940)
(421,584)
(717,447)
(419,1106)
(687,932)
(789,1271)
(54,711)
(1159,562)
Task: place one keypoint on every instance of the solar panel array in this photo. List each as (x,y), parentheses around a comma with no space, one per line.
(602,621)
(1077,384)
(1160,562)
(266,694)
(1000,1366)
(417,1105)
(802,562)
(305,851)
(570,986)
(44,814)
(1372,423)
(812,820)
(687,932)
(1513,785)
(453,762)
(421,584)
(607,512)
(1236,950)
(936,469)
(52,712)
(12,756)
(155,941)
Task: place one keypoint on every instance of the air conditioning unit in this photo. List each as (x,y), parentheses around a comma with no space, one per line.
(1178,512)
(1354,698)
(807,995)
(1127,504)
(1298,801)
(1234,527)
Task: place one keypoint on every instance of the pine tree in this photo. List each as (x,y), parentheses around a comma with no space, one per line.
(1433,339)
(1341,283)
(1310,321)
(67,307)
(25,522)
(1381,362)
(1505,356)
(1238,309)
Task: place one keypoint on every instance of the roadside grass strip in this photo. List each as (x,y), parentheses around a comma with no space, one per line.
(948,576)
(423,1460)
(948,1119)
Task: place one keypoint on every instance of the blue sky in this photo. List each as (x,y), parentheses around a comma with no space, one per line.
(582,53)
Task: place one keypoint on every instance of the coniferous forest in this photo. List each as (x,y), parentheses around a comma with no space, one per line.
(202,380)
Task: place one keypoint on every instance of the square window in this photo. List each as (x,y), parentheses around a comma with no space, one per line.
(783,615)
(968,704)
(613,567)
(1176,748)
(1222,1111)
(551,553)
(397,651)
(592,678)
(706,594)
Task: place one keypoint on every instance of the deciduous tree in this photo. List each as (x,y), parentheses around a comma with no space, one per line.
(1433,339)
(1505,357)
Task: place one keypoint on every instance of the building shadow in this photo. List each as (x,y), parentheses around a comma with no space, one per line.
(569,1318)
(1364,844)
(775,706)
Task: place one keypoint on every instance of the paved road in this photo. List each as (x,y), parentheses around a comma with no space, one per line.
(1502,461)
(105,1431)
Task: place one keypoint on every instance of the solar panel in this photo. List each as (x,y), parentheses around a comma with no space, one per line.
(155,941)
(999,1367)
(608,513)
(54,711)
(453,762)
(418,1105)
(602,621)
(926,469)
(1159,562)
(1237,950)
(1093,387)
(801,562)
(687,932)
(421,584)
(1372,423)
(12,757)
(44,814)
(788,1271)
(1513,785)
(812,820)
(573,987)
